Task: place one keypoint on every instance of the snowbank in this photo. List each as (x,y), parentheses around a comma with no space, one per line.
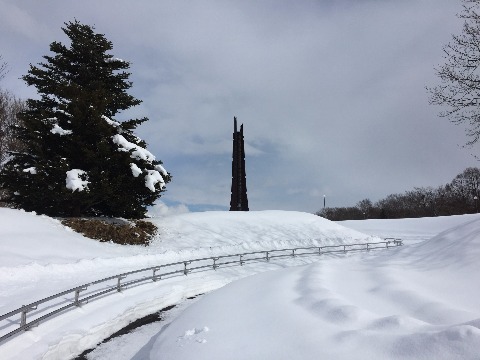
(218,232)
(420,302)
(410,230)
(40,257)
(27,238)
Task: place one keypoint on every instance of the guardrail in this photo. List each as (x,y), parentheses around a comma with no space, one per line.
(75,297)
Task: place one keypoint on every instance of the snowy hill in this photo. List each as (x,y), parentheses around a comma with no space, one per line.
(418,302)
(41,257)
(410,230)
(390,304)
(224,232)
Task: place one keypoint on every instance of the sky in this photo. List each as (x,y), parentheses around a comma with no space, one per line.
(332,94)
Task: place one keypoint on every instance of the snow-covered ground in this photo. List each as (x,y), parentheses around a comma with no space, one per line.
(419,301)
(410,230)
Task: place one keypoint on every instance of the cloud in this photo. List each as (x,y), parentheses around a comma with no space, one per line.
(21,23)
(160,209)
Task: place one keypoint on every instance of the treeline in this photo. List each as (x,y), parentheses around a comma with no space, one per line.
(460,196)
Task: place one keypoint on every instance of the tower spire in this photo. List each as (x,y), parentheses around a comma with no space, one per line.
(238,200)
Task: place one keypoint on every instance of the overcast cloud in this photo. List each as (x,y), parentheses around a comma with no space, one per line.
(331,93)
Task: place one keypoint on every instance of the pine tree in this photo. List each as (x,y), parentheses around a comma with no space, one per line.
(78,159)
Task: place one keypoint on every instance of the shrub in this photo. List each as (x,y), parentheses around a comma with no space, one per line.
(136,232)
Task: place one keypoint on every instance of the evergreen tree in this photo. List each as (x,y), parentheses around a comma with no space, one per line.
(78,160)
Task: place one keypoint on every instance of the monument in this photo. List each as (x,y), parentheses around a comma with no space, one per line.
(238,200)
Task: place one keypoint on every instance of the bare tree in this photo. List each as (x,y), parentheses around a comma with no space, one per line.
(10,106)
(459,88)
(365,206)
(467,184)
(3,68)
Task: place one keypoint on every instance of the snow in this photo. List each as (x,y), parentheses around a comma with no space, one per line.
(152,178)
(74,180)
(161,169)
(64,112)
(59,131)
(160,209)
(31,170)
(136,171)
(110,121)
(137,153)
(410,230)
(419,301)
(115,59)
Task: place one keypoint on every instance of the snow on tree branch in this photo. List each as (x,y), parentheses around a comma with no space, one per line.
(161,169)
(58,130)
(138,152)
(152,178)
(32,170)
(74,180)
(110,121)
(136,171)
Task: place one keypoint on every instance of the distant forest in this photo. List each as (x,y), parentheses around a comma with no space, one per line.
(460,196)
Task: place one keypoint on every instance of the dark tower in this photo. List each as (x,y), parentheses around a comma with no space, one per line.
(239,200)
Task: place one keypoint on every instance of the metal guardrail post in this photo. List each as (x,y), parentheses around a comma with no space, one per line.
(77,301)
(185,270)
(23,317)
(266,256)
(119,285)
(154,276)
(215,263)
(77,295)
(241,261)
